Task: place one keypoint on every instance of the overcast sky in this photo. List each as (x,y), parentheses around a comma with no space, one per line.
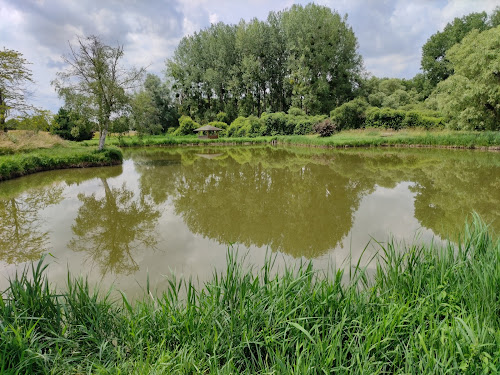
(390,32)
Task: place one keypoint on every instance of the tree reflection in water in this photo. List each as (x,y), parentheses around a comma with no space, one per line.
(302,201)
(21,236)
(108,229)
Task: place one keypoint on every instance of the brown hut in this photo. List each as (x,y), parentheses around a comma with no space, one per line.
(208,132)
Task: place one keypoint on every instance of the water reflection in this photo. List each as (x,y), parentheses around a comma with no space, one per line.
(302,201)
(108,229)
(190,203)
(22,238)
(23,235)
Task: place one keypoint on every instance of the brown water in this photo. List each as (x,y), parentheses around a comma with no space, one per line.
(178,209)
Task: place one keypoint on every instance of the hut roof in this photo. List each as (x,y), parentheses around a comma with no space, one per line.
(207,128)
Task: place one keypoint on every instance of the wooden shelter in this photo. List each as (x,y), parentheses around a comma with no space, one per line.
(208,132)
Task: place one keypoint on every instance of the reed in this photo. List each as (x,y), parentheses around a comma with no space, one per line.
(427,310)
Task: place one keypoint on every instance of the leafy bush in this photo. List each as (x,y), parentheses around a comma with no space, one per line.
(275,123)
(350,115)
(294,111)
(186,126)
(326,128)
(235,126)
(71,126)
(385,118)
(398,119)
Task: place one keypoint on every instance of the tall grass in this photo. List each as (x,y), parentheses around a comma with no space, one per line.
(426,310)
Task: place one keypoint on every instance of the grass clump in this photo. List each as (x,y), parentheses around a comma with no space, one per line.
(425,311)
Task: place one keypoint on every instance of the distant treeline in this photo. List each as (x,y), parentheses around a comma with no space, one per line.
(303,57)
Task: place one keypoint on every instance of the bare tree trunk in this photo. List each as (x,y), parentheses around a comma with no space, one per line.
(102,139)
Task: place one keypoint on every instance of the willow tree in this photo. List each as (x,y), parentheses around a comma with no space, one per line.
(14,77)
(95,83)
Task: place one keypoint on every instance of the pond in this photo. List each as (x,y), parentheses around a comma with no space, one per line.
(179,209)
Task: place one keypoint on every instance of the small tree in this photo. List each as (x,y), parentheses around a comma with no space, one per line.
(95,84)
(14,76)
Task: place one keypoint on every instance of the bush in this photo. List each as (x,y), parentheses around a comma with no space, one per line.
(350,115)
(398,119)
(235,126)
(294,111)
(326,128)
(186,126)
(385,118)
(71,126)
(275,124)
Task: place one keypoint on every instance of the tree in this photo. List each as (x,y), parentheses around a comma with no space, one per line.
(435,62)
(471,97)
(95,84)
(14,76)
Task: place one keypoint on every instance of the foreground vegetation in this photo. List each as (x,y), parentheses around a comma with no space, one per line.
(425,310)
(349,138)
(25,152)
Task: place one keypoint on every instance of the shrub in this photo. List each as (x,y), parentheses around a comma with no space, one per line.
(350,115)
(233,129)
(71,126)
(385,118)
(294,111)
(275,124)
(186,126)
(326,128)
(171,130)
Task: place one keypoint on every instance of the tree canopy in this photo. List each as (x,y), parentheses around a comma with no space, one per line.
(304,57)
(14,77)
(471,97)
(435,62)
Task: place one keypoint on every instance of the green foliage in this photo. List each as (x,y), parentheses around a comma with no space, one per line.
(223,117)
(145,115)
(186,126)
(471,97)
(350,115)
(398,119)
(326,128)
(303,57)
(435,63)
(425,309)
(71,126)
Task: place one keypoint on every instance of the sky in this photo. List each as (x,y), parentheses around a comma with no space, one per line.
(390,32)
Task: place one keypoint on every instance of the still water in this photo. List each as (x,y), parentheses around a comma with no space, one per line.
(178,210)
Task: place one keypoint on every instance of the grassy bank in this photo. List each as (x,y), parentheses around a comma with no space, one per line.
(26,152)
(426,311)
(348,138)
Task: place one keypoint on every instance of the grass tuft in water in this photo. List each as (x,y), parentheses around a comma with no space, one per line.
(427,310)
